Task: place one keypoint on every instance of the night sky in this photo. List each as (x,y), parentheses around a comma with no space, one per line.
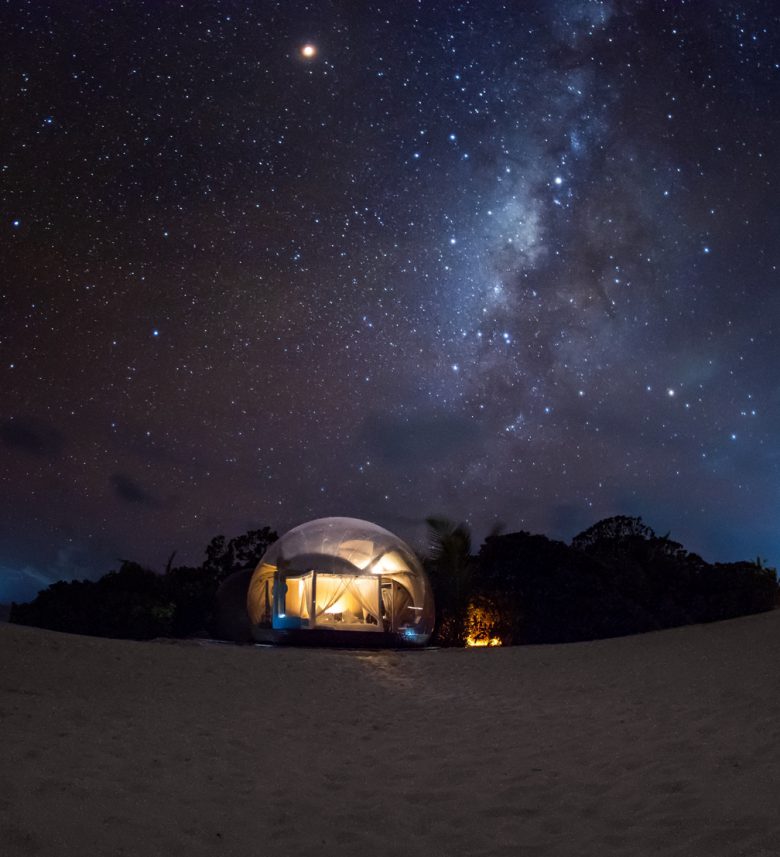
(498,261)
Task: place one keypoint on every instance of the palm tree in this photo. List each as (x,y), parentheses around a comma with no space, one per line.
(452,567)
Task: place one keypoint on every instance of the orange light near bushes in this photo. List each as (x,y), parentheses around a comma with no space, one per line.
(473,642)
(481,622)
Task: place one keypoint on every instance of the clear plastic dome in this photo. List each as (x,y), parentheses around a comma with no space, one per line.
(341,575)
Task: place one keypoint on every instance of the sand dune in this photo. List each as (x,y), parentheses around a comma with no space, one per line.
(666,743)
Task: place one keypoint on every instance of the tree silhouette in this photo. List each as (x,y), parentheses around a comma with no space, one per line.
(617,577)
(618,528)
(223,558)
(450,566)
(137,603)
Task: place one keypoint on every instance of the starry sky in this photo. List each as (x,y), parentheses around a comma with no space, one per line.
(269,261)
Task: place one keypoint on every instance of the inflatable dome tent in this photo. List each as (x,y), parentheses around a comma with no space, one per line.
(342,581)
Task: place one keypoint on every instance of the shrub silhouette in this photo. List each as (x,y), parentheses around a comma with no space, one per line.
(617,577)
(139,604)
(450,567)
(550,592)
(131,602)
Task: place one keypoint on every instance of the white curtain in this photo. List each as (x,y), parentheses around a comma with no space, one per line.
(346,601)
(298,596)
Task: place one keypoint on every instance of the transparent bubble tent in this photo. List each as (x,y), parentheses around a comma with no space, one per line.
(340,580)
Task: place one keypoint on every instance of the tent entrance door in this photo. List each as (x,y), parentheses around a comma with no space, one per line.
(389,588)
(398,610)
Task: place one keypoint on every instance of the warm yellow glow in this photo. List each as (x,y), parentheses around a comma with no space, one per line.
(296,597)
(390,563)
(357,551)
(348,601)
(473,642)
(259,597)
(481,621)
(309,51)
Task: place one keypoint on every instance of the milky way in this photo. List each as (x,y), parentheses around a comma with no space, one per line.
(264,262)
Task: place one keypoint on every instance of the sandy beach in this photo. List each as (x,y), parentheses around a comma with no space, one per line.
(667,743)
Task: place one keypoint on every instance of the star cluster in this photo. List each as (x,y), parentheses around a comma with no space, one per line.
(500,261)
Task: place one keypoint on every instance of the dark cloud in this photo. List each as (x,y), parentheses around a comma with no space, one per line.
(21,581)
(421,438)
(128,489)
(568,519)
(31,436)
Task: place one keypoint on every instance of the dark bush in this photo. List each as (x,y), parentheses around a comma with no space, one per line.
(140,604)
(131,603)
(616,578)
(551,593)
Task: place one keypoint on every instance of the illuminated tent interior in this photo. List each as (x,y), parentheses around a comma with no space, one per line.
(340,576)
